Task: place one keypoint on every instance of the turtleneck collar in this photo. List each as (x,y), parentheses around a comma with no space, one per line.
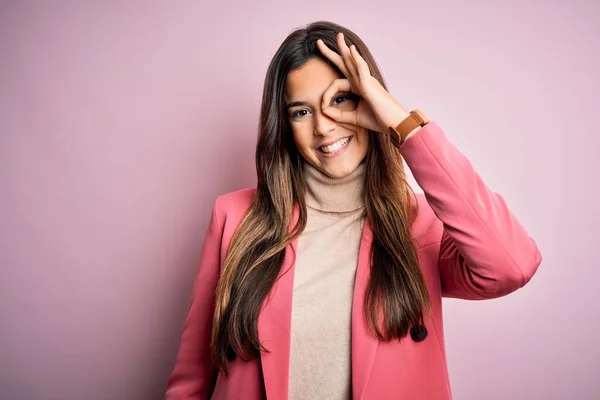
(334,194)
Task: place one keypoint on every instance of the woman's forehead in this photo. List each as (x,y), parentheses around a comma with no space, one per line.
(309,81)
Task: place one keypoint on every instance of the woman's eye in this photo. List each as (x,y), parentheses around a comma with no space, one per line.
(340,99)
(299,113)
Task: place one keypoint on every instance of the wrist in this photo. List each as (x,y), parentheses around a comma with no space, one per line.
(392,115)
(399,115)
(388,110)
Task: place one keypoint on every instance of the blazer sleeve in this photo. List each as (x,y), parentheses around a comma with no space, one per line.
(484,251)
(192,376)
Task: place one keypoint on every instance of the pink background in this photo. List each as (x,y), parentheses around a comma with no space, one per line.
(120,122)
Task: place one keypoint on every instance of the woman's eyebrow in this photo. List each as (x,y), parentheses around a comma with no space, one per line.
(296,104)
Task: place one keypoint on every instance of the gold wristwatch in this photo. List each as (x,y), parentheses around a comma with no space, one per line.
(399,133)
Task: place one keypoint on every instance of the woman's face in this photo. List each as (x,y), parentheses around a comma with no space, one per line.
(334,148)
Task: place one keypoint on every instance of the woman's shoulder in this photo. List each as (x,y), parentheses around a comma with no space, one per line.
(236,198)
(233,203)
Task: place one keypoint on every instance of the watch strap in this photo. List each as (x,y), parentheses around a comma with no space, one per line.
(399,133)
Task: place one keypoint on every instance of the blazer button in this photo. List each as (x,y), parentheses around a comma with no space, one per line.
(230,353)
(418,333)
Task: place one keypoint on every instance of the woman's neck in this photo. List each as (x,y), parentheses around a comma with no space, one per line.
(334,194)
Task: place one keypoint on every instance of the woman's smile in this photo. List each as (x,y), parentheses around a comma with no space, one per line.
(335,149)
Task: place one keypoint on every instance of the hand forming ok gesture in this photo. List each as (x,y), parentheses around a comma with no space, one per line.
(378,109)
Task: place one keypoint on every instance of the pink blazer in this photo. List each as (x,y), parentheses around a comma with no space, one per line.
(470,246)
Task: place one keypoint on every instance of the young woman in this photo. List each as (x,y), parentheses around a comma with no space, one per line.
(326,280)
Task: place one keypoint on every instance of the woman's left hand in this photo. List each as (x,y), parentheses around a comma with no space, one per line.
(377,110)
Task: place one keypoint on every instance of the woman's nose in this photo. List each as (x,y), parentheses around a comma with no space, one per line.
(323,124)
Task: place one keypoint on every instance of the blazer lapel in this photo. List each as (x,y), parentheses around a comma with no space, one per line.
(274,324)
(364,344)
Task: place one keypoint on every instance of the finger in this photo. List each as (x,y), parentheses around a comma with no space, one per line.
(346,56)
(334,57)
(342,116)
(361,64)
(339,85)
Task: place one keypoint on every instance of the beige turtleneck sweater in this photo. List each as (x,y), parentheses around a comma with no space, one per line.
(320,348)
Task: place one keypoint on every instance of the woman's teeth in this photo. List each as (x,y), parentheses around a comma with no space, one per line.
(332,148)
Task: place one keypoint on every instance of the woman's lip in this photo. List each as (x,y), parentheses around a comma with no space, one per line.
(337,153)
(335,141)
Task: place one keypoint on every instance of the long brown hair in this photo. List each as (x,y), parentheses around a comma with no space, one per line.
(396,295)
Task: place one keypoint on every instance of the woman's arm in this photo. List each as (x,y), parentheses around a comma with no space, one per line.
(485,252)
(192,376)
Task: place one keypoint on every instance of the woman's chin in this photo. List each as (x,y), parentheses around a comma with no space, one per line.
(339,171)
